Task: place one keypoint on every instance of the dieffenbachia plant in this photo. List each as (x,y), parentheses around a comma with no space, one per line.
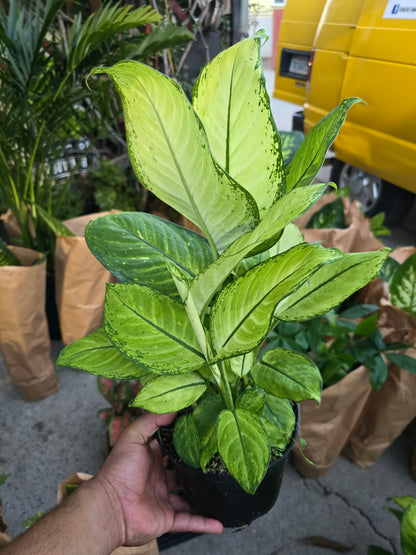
(190,311)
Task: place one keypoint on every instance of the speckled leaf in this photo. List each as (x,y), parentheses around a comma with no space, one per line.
(310,156)
(231,99)
(136,246)
(244,447)
(403,286)
(289,375)
(251,399)
(331,285)
(268,231)
(241,315)
(242,365)
(162,394)
(96,354)
(186,440)
(151,329)
(169,152)
(279,421)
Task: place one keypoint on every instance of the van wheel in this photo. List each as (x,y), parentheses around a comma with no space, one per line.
(374,194)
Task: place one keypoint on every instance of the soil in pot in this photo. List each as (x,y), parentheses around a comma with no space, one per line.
(218,494)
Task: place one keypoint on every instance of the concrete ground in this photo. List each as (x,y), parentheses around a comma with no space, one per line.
(44,442)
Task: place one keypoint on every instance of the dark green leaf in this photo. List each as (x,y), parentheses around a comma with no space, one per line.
(7,257)
(403,361)
(186,440)
(278,420)
(375,550)
(367,326)
(329,216)
(359,310)
(408,530)
(389,267)
(136,247)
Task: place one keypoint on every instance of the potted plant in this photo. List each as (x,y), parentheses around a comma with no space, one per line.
(190,312)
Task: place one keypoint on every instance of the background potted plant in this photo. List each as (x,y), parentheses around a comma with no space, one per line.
(190,312)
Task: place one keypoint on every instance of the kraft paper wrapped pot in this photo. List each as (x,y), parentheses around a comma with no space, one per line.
(389,410)
(328,426)
(80,282)
(24,335)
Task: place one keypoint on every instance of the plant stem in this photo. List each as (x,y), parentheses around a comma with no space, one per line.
(226,387)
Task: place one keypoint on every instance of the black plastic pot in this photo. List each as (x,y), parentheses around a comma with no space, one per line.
(220,496)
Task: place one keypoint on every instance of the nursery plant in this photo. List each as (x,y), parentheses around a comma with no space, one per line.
(190,311)
(341,340)
(44,58)
(118,393)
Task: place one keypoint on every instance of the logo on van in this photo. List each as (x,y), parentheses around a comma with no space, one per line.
(395,9)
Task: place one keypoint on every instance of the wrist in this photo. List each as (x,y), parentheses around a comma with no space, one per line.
(101,513)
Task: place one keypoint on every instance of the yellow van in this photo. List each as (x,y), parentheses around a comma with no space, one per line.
(367,48)
(294,49)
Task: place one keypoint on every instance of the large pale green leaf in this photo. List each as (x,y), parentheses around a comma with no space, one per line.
(289,375)
(150,329)
(307,161)
(408,530)
(162,394)
(283,211)
(95,354)
(241,315)
(186,440)
(244,447)
(278,420)
(231,99)
(169,152)
(331,285)
(135,247)
(403,286)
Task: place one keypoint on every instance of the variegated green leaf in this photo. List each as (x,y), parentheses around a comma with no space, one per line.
(170,155)
(162,394)
(186,440)
(231,99)
(408,530)
(150,329)
(278,420)
(403,286)
(244,447)
(205,417)
(251,399)
(291,236)
(288,375)
(241,315)
(331,285)
(268,231)
(310,156)
(95,354)
(136,246)
(242,365)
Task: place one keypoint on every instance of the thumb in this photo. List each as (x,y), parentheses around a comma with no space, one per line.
(142,430)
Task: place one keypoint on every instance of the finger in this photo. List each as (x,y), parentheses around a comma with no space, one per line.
(185,522)
(178,503)
(142,429)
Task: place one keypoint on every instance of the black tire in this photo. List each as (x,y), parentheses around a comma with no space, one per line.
(374,194)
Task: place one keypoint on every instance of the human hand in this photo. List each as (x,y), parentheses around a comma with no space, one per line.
(137,488)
